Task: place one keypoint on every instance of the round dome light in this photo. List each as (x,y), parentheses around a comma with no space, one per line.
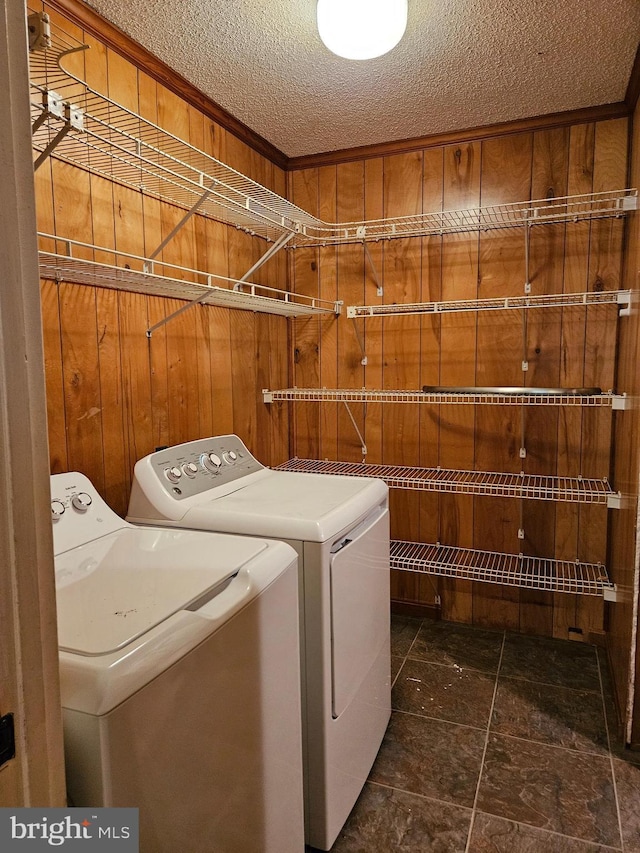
(361,29)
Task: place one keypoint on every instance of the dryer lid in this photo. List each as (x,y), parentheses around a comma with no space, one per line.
(114,589)
(288,505)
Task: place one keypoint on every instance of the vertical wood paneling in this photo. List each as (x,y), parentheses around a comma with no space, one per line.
(505,177)
(52,343)
(136,376)
(430,341)
(81,373)
(305,330)
(117,483)
(351,286)
(328,289)
(549,176)
(569,439)
(403,176)
(458,366)
(371,330)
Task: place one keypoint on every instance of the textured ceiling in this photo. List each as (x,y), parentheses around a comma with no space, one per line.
(461,64)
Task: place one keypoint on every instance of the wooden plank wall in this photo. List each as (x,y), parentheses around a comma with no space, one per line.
(112,394)
(625,544)
(571,347)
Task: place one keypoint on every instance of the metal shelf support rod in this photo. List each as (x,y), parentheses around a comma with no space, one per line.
(194,209)
(355,426)
(57,139)
(374,271)
(270,251)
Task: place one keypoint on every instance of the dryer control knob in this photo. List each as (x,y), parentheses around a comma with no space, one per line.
(190,469)
(230,457)
(173,474)
(82,501)
(57,509)
(211,462)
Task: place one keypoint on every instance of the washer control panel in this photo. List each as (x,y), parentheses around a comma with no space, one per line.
(78,512)
(199,466)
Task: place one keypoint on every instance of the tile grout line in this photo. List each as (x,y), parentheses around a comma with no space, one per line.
(426,797)
(404,659)
(613,772)
(486,745)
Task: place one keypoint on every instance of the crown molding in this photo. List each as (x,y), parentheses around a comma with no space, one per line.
(633,89)
(460,137)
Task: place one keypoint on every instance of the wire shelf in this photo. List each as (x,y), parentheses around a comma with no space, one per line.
(191,285)
(365,395)
(508,569)
(603,297)
(120,145)
(491,483)
(106,138)
(577,208)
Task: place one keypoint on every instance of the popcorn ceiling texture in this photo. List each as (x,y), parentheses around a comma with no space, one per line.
(461,64)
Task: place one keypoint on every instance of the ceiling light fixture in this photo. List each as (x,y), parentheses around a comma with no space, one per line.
(361,29)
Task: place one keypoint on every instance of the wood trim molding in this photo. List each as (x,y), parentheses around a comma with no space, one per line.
(544,122)
(85,17)
(633,89)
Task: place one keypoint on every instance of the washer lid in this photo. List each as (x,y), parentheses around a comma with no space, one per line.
(114,589)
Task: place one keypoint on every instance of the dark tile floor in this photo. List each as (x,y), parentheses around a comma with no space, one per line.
(498,743)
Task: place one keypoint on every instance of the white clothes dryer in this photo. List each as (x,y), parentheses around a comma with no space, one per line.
(339,527)
(179,666)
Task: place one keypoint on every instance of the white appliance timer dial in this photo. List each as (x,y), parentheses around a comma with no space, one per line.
(82,501)
(172,474)
(211,462)
(57,509)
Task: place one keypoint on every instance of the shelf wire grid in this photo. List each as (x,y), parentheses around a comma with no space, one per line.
(365,395)
(491,483)
(553,300)
(121,145)
(508,569)
(191,285)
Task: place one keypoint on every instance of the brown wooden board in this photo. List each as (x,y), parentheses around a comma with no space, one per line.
(460,253)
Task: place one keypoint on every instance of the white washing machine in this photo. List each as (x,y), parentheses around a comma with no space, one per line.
(339,527)
(179,665)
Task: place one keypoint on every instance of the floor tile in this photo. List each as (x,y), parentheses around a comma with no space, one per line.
(446,692)
(403,633)
(385,820)
(550,714)
(563,662)
(496,835)
(430,757)
(556,789)
(461,645)
(628,788)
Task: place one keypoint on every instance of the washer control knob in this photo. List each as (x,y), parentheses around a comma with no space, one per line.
(190,469)
(211,462)
(172,474)
(57,509)
(230,457)
(82,501)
